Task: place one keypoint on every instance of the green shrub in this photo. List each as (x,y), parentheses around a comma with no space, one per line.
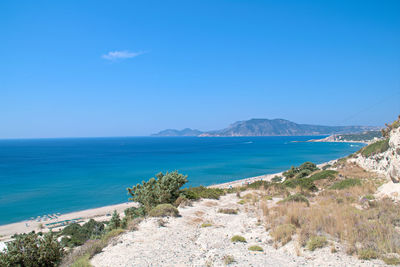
(296,198)
(32,250)
(303,173)
(134,212)
(304,183)
(276,179)
(77,234)
(238,238)
(327,166)
(345,184)
(367,254)
(164,210)
(115,221)
(196,193)
(160,190)
(325,174)
(256,248)
(375,148)
(228,211)
(306,167)
(256,185)
(391,260)
(316,242)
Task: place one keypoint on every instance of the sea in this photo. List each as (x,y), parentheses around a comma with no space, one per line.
(47,176)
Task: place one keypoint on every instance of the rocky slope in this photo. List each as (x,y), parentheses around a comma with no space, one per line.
(387,162)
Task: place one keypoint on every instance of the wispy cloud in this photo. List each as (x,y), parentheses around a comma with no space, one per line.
(114,55)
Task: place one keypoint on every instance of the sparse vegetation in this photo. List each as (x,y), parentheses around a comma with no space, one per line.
(256,248)
(391,260)
(164,210)
(367,254)
(316,242)
(238,238)
(375,148)
(345,184)
(195,193)
(228,211)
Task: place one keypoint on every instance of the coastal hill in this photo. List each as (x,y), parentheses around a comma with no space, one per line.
(266,127)
(184,132)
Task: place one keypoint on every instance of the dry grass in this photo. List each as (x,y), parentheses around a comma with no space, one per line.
(283,233)
(366,226)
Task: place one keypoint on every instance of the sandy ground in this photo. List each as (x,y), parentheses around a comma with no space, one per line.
(183,242)
(31,225)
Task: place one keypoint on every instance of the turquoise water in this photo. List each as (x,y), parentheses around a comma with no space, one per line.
(42,176)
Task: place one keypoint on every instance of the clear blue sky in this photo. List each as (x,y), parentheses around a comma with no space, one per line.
(125,68)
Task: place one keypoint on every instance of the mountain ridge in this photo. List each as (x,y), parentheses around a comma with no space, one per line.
(268,127)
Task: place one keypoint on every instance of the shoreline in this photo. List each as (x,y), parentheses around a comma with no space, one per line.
(104,213)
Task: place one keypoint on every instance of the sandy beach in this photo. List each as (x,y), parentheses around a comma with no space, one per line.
(99,214)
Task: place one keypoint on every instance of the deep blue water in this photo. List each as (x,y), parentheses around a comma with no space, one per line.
(42,176)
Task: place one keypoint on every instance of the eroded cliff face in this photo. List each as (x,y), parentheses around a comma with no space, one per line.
(386,163)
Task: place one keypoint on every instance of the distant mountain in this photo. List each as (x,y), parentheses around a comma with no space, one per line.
(276,127)
(184,132)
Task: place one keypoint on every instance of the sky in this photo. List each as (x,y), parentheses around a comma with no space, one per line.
(132,68)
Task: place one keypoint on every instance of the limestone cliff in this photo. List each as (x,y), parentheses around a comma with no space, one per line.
(385,162)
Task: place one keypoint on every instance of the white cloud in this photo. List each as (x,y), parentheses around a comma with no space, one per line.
(113,55)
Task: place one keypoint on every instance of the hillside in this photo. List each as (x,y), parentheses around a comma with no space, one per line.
(266,127)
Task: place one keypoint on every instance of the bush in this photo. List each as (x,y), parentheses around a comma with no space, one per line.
(304,183)
(196,193)
(375,148)
(276,179)
(306,168)
(164,210)
(206,225)
(32,250)
(316,242)
(345,184)
(228,211)
(367,254)
(303,173)
(134,212)
(77,234)
(325,174)
(296,198)
(256,248)
(115,221)
(160,190)
(238,238)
